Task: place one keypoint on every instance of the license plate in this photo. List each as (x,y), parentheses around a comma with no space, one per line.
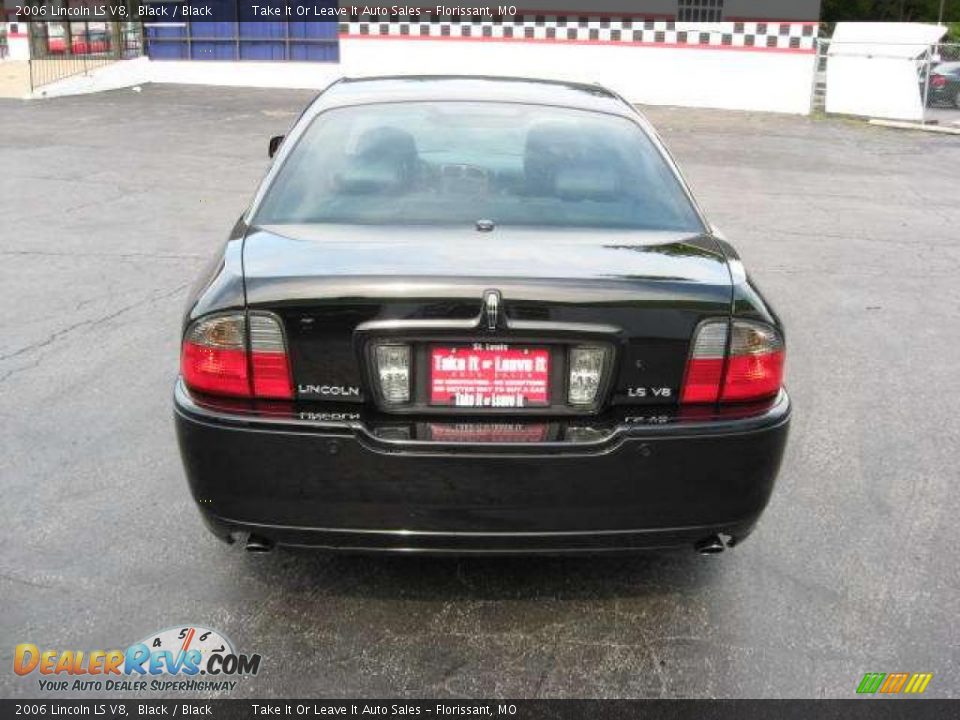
(487,433)
(490,376)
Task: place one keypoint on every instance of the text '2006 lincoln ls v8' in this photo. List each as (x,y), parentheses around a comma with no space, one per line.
(478,315)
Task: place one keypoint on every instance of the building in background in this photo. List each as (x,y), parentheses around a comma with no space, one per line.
(742,54)
(238,34)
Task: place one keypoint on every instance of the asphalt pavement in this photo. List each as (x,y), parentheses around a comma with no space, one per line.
(109,206)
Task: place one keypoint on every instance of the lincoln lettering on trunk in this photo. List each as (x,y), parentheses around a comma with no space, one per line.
(340,390)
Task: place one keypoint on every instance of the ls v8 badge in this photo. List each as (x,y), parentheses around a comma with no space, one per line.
(645,392)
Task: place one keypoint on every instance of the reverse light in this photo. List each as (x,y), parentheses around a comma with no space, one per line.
(705,366)
(752,371)
(268,358)
(215,357)
(393,371)
(586,372)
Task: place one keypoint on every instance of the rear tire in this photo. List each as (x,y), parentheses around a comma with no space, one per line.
(956,99)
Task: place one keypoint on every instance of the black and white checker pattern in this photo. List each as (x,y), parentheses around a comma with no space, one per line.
(582,29)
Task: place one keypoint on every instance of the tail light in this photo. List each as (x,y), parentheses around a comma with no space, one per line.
(705,366)
(217,359)
(734,361)
(268,358)
(755,368)
(586,372)
(393,371)
(214,356)
(938,81)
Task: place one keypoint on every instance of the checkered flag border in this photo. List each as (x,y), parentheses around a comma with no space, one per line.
(794,36)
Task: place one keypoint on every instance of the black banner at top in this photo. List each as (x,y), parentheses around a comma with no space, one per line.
(181,11)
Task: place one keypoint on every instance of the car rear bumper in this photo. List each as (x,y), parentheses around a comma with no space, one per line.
(945,94)
(339,481)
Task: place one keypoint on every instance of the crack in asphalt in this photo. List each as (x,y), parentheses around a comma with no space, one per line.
(93,322)
(23,581)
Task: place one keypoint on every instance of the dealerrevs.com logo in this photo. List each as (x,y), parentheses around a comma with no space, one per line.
(190,659)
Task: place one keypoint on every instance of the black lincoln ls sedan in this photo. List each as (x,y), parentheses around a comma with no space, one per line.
(478,315)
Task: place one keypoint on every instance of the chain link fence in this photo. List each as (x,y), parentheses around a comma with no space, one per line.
(940,78)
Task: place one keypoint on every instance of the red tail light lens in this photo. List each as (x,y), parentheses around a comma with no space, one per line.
(215,358)
(938,81)
(753,370)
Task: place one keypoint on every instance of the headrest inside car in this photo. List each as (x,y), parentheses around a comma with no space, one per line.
(386,141)
(587,183)
(383,161)
(364,177)
(560,160)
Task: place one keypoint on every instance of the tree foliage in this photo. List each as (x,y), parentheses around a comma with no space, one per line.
(834,11)
(888,10)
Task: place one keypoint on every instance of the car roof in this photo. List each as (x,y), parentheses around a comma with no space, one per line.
(467,88)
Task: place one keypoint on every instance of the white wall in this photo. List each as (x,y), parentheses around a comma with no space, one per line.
(879,87)
(246,73)
(129,73)
(731,79)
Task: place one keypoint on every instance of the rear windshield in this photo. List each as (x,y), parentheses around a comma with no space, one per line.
(454,162)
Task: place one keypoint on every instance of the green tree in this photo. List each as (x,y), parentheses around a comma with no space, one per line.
(832,11)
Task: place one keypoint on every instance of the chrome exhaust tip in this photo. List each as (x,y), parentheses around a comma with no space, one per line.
(257,544)
(710,546)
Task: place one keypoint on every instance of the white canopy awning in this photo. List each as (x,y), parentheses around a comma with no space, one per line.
(884,39)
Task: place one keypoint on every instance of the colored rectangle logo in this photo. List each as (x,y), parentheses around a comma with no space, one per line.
(894,683)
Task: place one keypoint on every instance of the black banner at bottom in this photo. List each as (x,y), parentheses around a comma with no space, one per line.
(852,709)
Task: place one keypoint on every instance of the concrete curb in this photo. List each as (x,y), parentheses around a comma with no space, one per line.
(115,76)
(902,125)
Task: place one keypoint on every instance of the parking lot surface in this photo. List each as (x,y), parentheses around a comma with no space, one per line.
(111,203)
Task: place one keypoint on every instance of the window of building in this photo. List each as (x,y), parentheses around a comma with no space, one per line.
(700,10)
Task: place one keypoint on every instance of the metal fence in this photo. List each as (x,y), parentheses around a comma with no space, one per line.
(61,50)
(940,79)
(818,94)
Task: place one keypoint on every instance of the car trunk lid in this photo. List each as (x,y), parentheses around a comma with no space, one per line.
(335,287)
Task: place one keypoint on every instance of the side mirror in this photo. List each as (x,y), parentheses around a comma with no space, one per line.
(274,145)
